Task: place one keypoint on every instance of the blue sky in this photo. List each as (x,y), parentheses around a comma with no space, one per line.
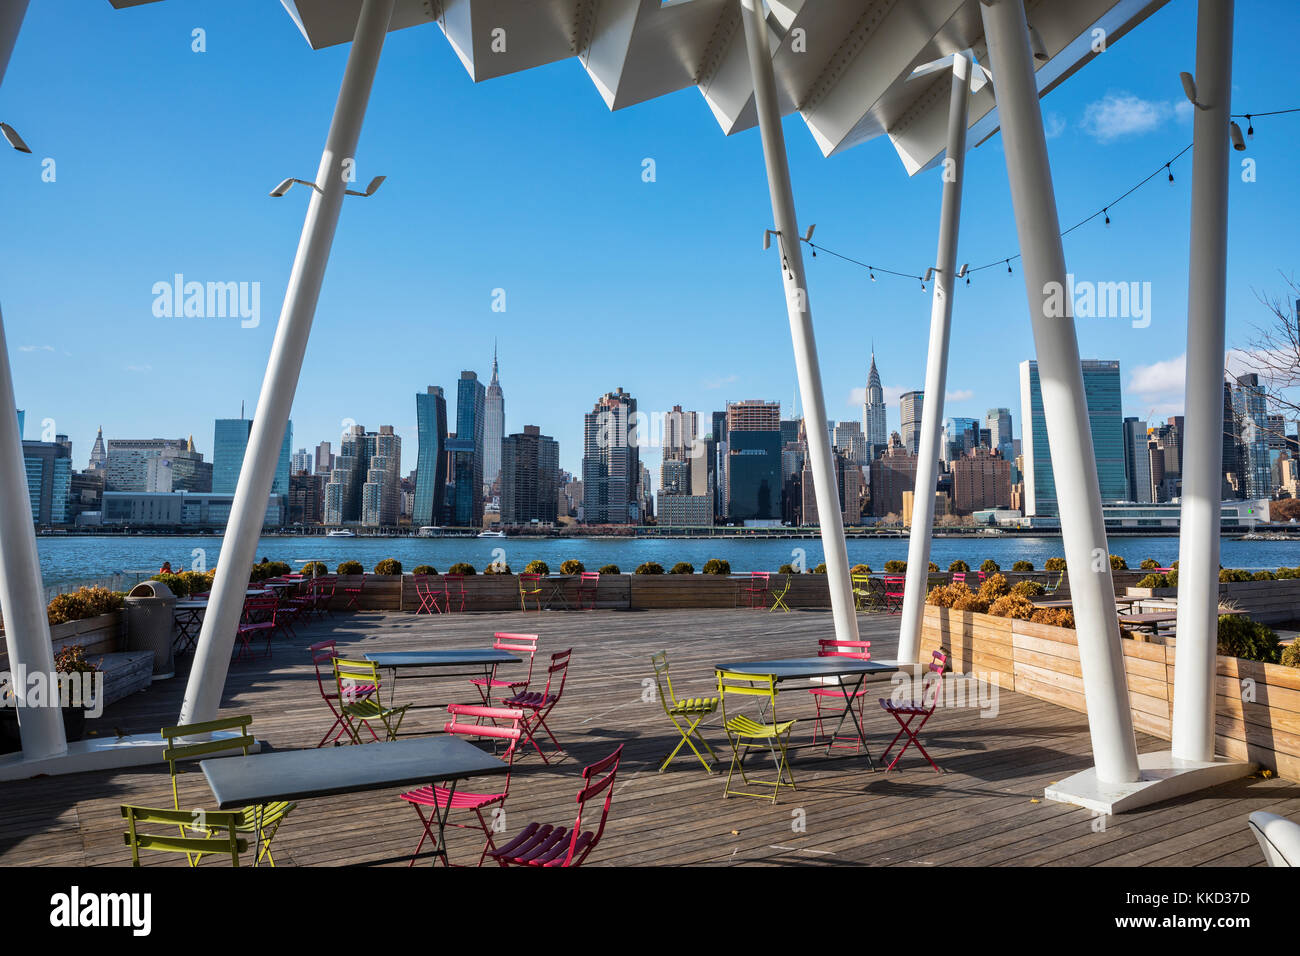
(164,157)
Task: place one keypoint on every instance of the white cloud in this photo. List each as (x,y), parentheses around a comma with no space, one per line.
(719,382)
(139,368)
(1160,377)
(1054,125)
(1123,114)
(36,348)
(959,395)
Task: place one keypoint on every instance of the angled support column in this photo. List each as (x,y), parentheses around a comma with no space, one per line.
(244,529)
(1065,407)
(1198,547)
(825,486)
(936,368)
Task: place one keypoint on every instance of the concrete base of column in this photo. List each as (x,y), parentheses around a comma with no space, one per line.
(1161,776)
(136,750)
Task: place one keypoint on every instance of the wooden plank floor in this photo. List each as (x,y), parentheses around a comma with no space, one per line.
(986,809)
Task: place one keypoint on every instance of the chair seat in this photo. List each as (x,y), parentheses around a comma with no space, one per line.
(541,845)
(494,682)
(694,705)
(460,800)
(834,691)
(361,690)
(533,700)
(748,727)
(904,707)
(271,813)
(367,709)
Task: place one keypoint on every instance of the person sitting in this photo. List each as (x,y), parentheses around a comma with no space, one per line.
(166,568)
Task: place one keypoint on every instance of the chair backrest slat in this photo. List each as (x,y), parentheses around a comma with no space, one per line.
(609,767)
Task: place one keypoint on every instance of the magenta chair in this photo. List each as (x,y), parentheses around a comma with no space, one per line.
(856,650)
(539,704)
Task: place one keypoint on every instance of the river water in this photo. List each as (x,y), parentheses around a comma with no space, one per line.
(67,560)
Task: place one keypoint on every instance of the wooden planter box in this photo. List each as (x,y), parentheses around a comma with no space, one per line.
(98,635)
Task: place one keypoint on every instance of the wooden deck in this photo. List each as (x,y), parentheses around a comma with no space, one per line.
(986,809)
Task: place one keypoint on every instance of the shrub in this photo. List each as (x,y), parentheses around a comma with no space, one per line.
(1117,563)
(959,566)
(537,567)
(994,587)
(1013,605)
(1149,564)
(83,603)
(572,567)
(933,566)
(462,567)
(1239,636)
(683,567)
(1233,574)
(650,567)
(1022,567)
(820,569)
(174,583)
(968,600)
(860,569)
(1288,573)
(895,567)
(72,660)
(313,569)
(1172,577)
(958,596)
(389,566)
(269,569)
(425,569)
(610,569)
(196,582)
(1264,576)
(1154,581)
(350,567)
(717,566)
(786,569)
(495,568)
(1291,655)
(990,566)
(1054,564)
(1028,589)
(1055,616)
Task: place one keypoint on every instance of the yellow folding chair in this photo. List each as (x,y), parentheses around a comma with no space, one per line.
(690,710)
(778,597)
(192,847)
(745,733)
(351,677)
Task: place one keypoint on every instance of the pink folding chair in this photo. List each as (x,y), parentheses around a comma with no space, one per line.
(912,709)
(588,583)
(453,591)
(257,620)
(324,653)
(959,577)
(832,687)
(442,800)
(757,589)
(353,593)
(545,845)
(894,593)
(539,704)
(516,643)
(427,595)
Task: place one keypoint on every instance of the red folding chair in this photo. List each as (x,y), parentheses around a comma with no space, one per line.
(757,589)
(588,583)
(453,590)
(959,577)
(894,593)
(441,800)
(427,595)
(832,688)
(545,845)
(353,593)
(517,643)
(257,620)
(324,653)
(539,704)
(912,709)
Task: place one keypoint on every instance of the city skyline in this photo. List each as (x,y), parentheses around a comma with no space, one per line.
(1127,108)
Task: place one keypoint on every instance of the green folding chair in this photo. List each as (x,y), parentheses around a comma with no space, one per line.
(689,710)
(745,733)
(352,675)
(778,597)
(192,847)
(264,819)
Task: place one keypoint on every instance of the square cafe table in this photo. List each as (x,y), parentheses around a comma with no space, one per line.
(263,778)
(475,662)
(806,668)
(189,618)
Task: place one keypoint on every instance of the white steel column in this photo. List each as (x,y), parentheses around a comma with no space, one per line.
(1198,548)
(1065,408)
(825,486)
(936,368)
(212,653)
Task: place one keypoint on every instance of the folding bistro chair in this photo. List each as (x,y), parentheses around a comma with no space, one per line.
(755,590)
(359,706)
(516,643)
(894,593)
(833,689)
(745,733)
(263,820)
(258,620)
(912,709)
(778,597)
(530,589)
(324,653)
(958,577)
(545,845)
(194,847)
(353,593)
(539,704)
(427,595)
(453,590)
(689,710)
(861,590)
(441,800)
(588,583)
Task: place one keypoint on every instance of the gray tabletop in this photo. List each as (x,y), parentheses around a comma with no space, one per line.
(794,668)
(299,774)
(456,658)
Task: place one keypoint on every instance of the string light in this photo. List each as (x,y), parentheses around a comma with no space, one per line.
(1170,171)
(1106,211)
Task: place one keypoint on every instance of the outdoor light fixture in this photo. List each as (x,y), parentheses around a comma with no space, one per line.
(1250,126)
(1008,262)
(1171,172)
(370,189)
(13,138)
(1036,44)
(807,237)
(767,237)
(1106,212)
(1189,88)
(1234,131)
(285,186)
(872,273)
(964,272)
(928,273)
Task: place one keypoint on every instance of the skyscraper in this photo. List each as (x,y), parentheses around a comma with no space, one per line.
(1101,386)
(754,460)
(229,442)
(300,462)
(494,425)
(431,463)
(471,402)
(911,405)
(530,475)
(98,455)
(324,459)
(611,461)
(1250,409)
(873,411)
(1137,462)
(998,421)
(364,486)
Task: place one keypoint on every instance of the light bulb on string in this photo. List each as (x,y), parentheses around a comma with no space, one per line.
(1250,126)
(873,274)
(1171,172)
(1106,213)
(1008,262)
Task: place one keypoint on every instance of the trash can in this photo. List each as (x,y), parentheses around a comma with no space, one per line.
(151,617)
